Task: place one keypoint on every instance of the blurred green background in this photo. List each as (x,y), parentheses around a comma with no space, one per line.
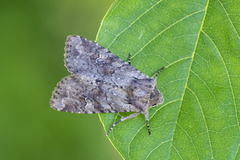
(33,35)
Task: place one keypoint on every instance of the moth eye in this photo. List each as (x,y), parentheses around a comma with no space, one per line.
(149,86)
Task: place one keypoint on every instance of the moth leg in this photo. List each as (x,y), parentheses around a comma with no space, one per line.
(123,119)
(159,72)
(129,58)
(146,117)
(120,115)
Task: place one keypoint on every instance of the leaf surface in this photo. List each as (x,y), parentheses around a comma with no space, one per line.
(199,44)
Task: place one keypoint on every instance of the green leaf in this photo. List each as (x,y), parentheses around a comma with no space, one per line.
(198,42)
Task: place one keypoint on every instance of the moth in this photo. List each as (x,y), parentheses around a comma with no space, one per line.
(101,82)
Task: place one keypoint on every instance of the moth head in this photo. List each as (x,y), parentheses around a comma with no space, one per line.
(156,98)
(142,87)
(145,93)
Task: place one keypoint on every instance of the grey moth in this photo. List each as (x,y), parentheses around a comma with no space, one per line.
(101,82)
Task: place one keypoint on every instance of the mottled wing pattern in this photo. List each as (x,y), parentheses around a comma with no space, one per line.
(74,94)
(85,58)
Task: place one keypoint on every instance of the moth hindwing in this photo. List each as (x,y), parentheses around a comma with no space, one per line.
(101,82)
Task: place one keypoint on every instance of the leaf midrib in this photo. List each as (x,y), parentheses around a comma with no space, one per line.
(193,54)
(128,155)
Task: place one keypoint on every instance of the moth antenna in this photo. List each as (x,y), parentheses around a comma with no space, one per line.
(123,119)
(129,58)
(159,72)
